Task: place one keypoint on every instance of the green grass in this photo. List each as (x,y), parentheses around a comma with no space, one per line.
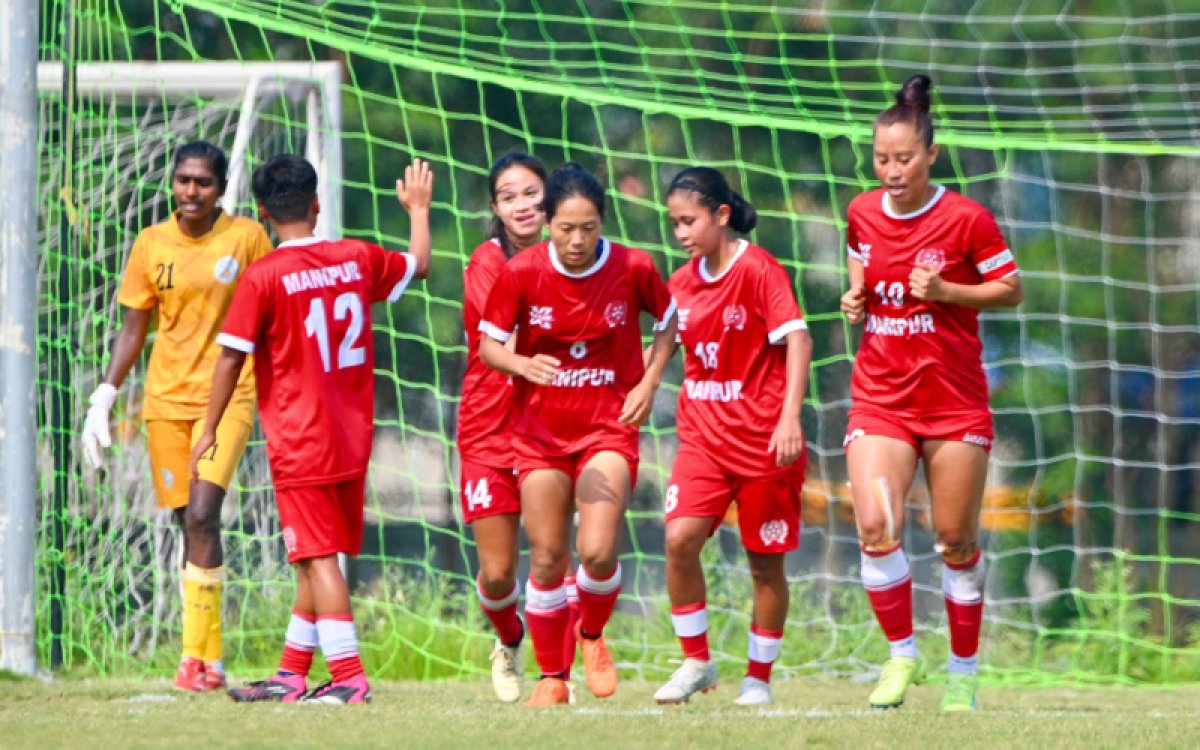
(808,713)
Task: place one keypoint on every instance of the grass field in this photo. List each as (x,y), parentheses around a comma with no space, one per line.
(127,714)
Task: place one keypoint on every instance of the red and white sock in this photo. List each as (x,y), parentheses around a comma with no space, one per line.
(299,644)
(962,583)
(763,651)
(503,614)
(886,578)
(597,598)
(339,643)
(573,612)
(691,628)
(546,616)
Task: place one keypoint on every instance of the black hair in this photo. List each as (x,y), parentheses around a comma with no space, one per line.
(712,191)
(285,186)
(218,163)
(912,106)
(506,162)
(570,180)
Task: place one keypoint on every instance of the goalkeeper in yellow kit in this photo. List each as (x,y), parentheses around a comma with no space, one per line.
(186,268)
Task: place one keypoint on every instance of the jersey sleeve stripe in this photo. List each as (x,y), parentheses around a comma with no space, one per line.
(495,332)
(235,342)
(666,318)
(853,253)
(410,268)
(995,262)
(779,334)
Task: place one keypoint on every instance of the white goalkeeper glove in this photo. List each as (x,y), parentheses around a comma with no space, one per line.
(95,425)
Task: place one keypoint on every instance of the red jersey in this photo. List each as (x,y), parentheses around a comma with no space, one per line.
(922,357)
(304,312)
(589,321)
(732,328)
(484,435)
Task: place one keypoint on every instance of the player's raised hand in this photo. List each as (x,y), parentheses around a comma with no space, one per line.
(787,441)
(95,425)
(925,283)
(854,302)
(540,369)
(415,190)
(638,404)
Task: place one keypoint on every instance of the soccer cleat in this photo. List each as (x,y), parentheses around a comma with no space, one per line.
(599,671)
(281,687)
(191,676)
(754,692)
(354,690)
(214,679)
(508,672)
(693,676)
(898,673)
(960,692)
(551,691)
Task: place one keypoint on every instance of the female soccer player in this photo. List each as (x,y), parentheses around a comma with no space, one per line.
(305,313)
(923,262)
(746,354)
(580,392)
(186,268)
(490,500)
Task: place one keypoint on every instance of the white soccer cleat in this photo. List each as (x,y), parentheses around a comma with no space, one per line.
(694,676)
(508,672)
(754,692)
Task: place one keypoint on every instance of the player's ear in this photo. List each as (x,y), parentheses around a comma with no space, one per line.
(933,154)
(262,213)
(722,214)
(316,206)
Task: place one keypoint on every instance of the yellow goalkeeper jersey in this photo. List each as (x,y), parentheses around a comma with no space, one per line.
(190,281)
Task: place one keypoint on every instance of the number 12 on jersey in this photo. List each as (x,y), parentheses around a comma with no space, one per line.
(315,325)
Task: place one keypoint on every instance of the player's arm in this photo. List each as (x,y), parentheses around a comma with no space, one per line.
(927,284)
(539,369)
(854,301)
(125,353)
(640,400)
(415,193)
(787,442)
(225,380)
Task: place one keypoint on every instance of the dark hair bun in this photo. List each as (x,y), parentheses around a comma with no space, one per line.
(914,94)
(742,216)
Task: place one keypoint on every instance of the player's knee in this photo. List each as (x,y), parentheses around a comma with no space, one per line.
(547,565)
(683,543)
(203,521)
(497,578)
(874,535)
(957,548)
(599,562)
(766,570)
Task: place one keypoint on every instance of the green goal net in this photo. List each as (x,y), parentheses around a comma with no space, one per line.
(1077,128)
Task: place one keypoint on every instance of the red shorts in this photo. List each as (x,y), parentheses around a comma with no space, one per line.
(488,491)
(974,428)
(768,507)
(573,464)
(322,520)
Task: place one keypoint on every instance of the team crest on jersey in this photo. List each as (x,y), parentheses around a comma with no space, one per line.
(933,257)
(615,313)
(541,317)
(226,269)
(683,316)
(864,252)
(773,532)
(735,317)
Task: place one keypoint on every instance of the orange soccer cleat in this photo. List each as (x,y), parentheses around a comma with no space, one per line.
(598,665)
(550,691)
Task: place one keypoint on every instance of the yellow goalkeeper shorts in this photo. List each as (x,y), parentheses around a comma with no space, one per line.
(170,442)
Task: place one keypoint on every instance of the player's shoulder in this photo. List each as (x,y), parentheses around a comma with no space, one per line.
(158,234)
(758,257)
(533,258)
(628,255)
(683,276)
(957,204)
(245,227)
(487,253)
(869,203)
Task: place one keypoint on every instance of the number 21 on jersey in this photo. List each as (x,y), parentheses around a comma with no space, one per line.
(349,353)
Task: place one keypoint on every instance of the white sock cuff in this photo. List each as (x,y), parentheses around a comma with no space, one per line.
(544,600)
(301,634)
(690,624)
(607,586)
(338,638)
(495,605)
(763,648)
(884,572)
(964,586)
